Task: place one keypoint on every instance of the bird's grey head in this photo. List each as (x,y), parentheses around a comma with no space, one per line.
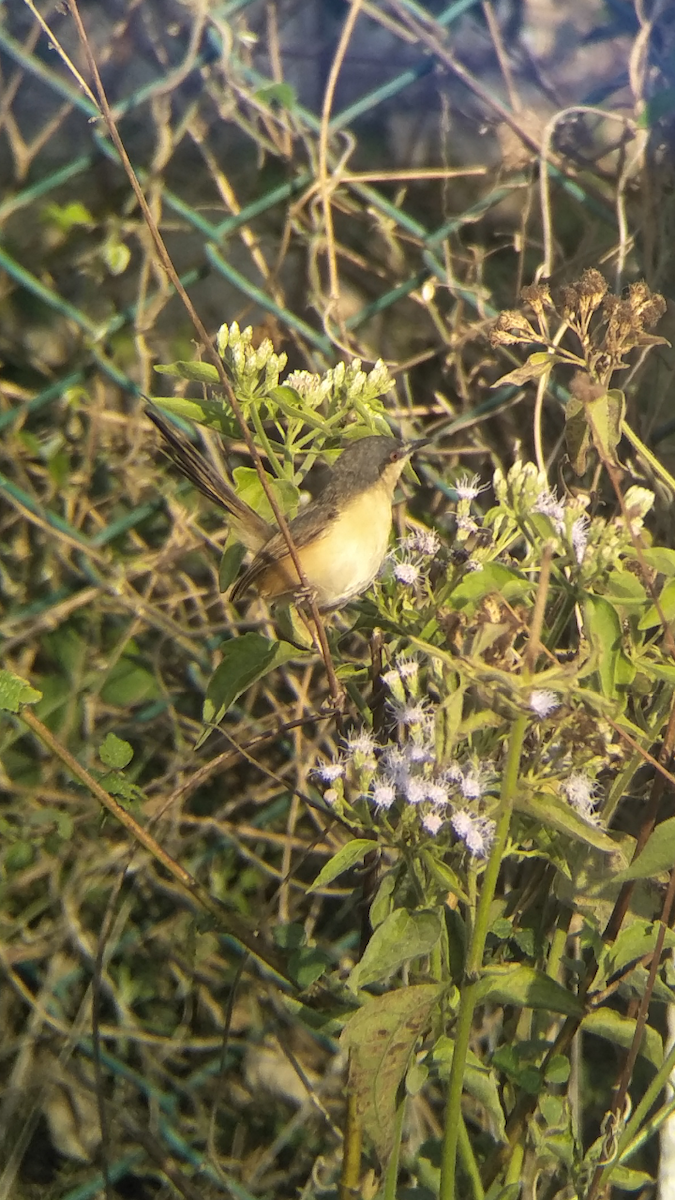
(368,461)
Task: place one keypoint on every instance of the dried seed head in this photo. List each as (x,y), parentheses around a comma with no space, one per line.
(538,296)
(510,327)
(591,290)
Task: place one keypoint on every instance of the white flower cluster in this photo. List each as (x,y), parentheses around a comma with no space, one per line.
(408,771)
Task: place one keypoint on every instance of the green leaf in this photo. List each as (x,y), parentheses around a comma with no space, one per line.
(552,810)
(292,405)
(613,1027)
(633,942)
(625,590)
(353,852)
(210,413)
(282,94)
(18,856)
(605,416)
(380,1039)
(115,753)
(577,434)
(244,660)
(603,630)
(494,579)
(480,1081)
(250,490)
(15,691)
(558,1070)
(661,559)
(230,564)
(129,683)
(67,216)
(629,1180)
(526,988)
(307,965)
(116,255)
(666,604)
(538,364)
(657,856)
(199,372)
(401,936)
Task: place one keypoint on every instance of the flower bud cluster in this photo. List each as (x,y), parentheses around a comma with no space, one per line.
(254,370)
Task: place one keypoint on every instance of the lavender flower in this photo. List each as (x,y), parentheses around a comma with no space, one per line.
(361,743)
(407,573)
(419,753)
(431,822)
(580,537)
(329,772)
(580,792)
(543,702)
(383,794)
(550,506)
(413,713)
(415,790)
(477,833)
(468,488)
(425,542)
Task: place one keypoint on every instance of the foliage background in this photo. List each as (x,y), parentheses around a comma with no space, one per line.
(363,181)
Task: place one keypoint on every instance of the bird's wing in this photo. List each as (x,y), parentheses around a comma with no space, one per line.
(250,528)
(303,530)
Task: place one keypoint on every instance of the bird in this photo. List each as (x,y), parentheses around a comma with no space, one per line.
(341,537)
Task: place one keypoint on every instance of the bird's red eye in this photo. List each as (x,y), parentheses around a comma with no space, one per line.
(394,456)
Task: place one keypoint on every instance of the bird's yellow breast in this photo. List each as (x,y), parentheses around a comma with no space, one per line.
(344,559)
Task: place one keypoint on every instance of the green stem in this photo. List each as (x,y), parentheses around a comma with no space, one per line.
(469,1163)
(469,997)
(651,459)
(391,1176)
(351,1153)
(265,443)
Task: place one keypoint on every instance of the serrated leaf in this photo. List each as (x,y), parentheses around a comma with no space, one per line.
(15,691)
(353,852)
(657,856)
(613,1027)
(380,1039)
(115,753)
(199,372)
(527,988)
(401,936)
(244,660)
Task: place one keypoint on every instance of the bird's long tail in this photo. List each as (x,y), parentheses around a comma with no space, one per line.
(250,528)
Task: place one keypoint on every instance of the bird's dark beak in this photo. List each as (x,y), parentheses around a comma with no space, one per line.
(413,447)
